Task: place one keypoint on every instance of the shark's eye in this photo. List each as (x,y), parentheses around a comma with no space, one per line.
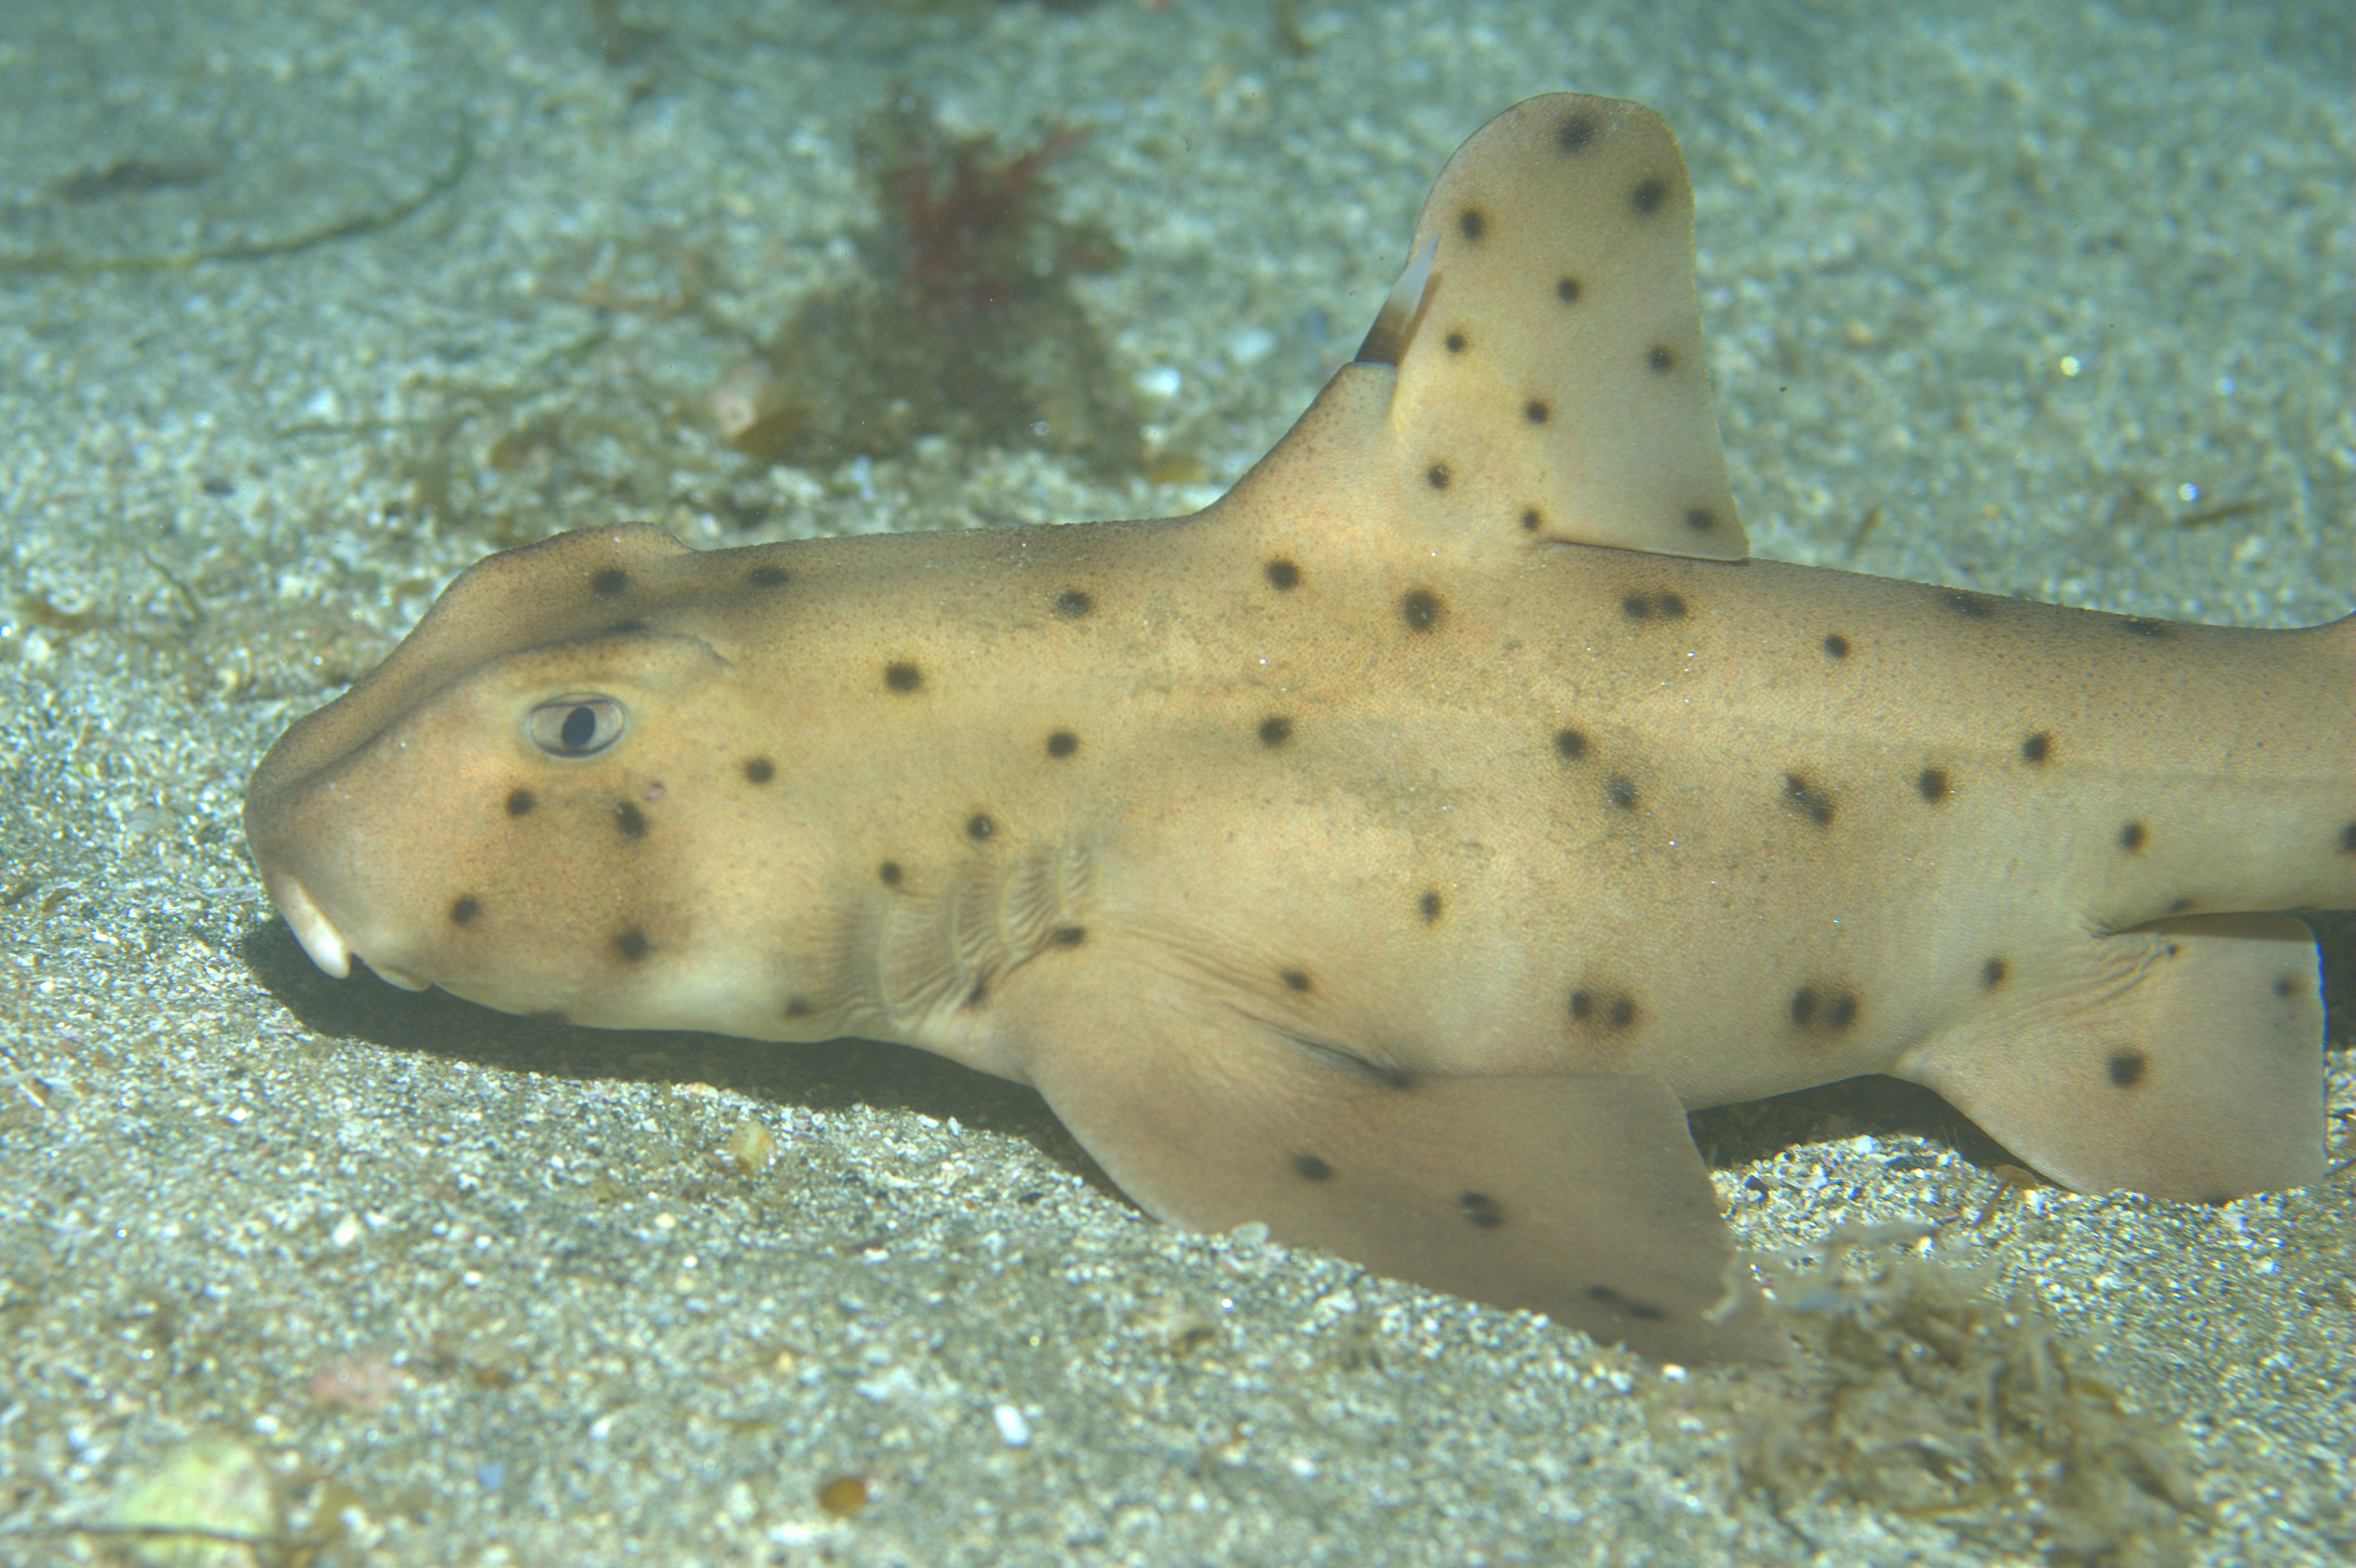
(575,726)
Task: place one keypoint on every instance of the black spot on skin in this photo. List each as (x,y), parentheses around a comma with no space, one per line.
(2143,626)
(1807,799)
(1428,905)
(1534,412)
(2125,1066)
(1837,645)
(1830,1011)
(1296,979)
(1613,1012)
(1063,742)
(610,583)
(1311,1167)
(903,677)
(1471,223)
(1072,603)
(1644,606)
(630,820)
(2288,986)
(1070,936)
(2038,748)
(1422,608)
(978,827)
(798,1006)
(2348,839)
(1932,784)
(1454,342)
(2179,906)
(768,577)
(890,872)
(1647,196)
(1573,135)
(1566,289)
(1971,606)
(759,770)
(1621,792)
(1700,519)
(1660,359)
(1992,972)
(1480,1209)
(1275,731)
(2133,837)
(978,994)
(1437,476)
(464,912)
(521,802)
(1570,744)
(1531,519)
(1606,1296)
(633,945)
(1283,575)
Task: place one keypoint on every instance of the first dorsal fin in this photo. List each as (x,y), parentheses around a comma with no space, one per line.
(1552,380)
(1536,374)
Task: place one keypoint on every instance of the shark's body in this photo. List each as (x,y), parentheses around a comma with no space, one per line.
(1393,851)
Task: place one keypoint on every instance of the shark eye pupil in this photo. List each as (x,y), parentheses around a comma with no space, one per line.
(575,726)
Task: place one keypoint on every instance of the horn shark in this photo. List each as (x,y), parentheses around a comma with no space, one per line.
(1394,851)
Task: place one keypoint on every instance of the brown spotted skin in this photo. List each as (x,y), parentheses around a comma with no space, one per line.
(1354,855)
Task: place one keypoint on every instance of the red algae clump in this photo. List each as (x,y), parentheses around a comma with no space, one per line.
(963,326)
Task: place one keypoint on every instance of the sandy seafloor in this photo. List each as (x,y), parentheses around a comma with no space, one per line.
(2041,299)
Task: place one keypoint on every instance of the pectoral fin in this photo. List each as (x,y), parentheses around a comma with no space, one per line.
(1582,1197)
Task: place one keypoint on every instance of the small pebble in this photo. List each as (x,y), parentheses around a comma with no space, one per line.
(843,1496)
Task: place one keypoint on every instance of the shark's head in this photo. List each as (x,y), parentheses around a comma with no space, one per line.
(494,809)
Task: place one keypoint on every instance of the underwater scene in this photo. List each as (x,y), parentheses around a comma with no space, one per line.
(1694,909)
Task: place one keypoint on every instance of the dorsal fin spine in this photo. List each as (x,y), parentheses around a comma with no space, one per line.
(1394,322)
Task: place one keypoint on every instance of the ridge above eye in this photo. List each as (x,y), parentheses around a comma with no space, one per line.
(576,727)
